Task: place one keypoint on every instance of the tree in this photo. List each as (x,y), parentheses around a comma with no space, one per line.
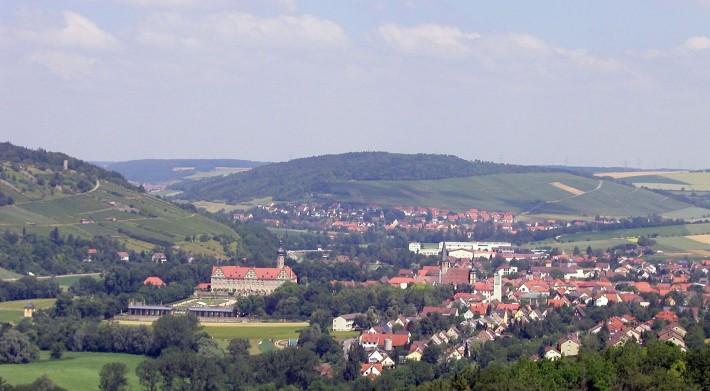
(56,350)
(16,348)
(431,353)
(239,348)
(148,375)
(174,331)
(113,377)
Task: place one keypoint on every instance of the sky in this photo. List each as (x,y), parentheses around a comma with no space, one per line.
(593,83)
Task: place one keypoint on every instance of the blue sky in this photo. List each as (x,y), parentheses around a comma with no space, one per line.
(603,83)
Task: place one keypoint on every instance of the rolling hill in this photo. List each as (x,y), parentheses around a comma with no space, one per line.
(40,194)
(550,193)
(308,177)
(438,181)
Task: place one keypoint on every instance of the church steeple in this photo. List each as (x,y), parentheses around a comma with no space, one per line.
(444,265)
(280,256)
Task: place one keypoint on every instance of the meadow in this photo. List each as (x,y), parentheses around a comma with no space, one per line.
(12,311)
(74,371)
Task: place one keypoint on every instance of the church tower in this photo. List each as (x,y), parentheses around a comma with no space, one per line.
(280,256)
(497,287)
(444,259)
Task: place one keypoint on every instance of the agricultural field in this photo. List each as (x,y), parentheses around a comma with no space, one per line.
(532,193)
(138,220)
(666,180)
(74,371)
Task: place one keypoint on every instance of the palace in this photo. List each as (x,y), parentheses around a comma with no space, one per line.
(245,281)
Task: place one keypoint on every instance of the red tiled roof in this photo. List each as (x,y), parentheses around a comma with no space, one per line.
(379,339)
(155,281)
(262,273)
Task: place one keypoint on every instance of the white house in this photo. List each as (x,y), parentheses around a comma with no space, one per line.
(344,322)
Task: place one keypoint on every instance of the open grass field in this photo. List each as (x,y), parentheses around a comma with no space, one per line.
(533,193)
(140,220)
(12,311)
(254,331)
(8,274)
(217,206)
(74,371)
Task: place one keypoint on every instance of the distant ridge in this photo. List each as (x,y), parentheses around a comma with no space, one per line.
(307,177)
(164,170)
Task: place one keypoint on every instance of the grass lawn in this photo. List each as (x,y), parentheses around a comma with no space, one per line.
(66,280)
(19,305)
(12,311)
(262,331)
(343,335)
(7,274)
(10,316)
(74,371)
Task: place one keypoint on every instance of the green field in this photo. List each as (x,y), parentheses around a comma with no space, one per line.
(262,331)
(7,274)
(531,193)
(12,311)
(74,371)
(218,206)
(138,220)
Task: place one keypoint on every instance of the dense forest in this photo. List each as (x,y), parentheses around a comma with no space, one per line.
(299,178)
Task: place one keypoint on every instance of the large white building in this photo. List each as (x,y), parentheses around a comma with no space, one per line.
(473,247)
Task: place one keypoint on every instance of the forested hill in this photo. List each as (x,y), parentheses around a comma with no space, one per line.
(299,178)
(14,155)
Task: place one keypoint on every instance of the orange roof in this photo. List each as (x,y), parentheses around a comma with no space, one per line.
(669,316)
(400,280)
(155,281)
(379,339)
(643,287)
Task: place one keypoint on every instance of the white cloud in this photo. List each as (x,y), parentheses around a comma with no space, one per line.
(167,41)
(303,31)
(162,3)
(695,44)
(78,32)
(222,30)
(66,65)
(428,39)
(691,45)
(491,50)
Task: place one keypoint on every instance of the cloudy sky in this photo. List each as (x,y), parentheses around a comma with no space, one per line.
(603,83)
